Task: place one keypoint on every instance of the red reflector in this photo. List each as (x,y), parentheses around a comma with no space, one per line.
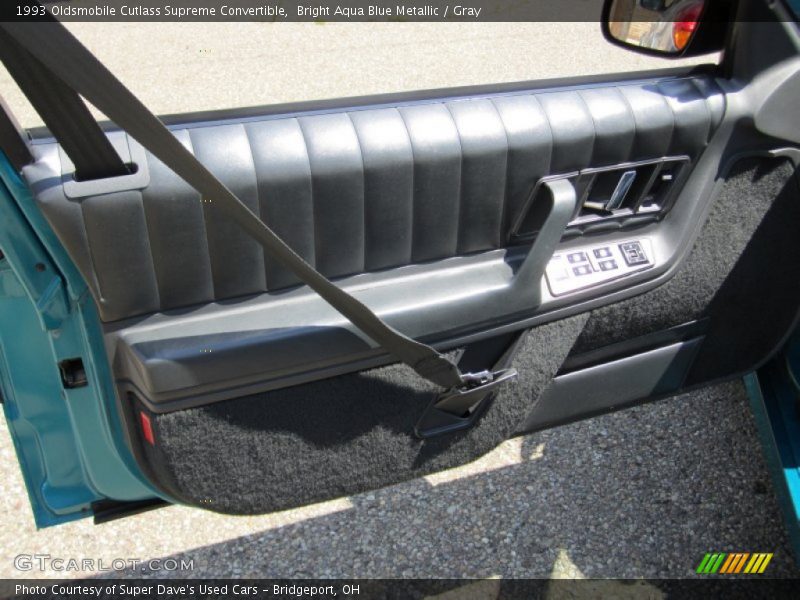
(685,24)
(147,429)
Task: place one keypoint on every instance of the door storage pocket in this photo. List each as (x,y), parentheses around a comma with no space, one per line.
(330,438)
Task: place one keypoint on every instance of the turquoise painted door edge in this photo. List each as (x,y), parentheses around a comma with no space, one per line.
(774,392)
(69,441)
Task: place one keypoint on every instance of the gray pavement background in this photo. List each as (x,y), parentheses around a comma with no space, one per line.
(182,67)
(644,492)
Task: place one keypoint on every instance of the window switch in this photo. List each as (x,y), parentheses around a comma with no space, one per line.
(582,270)
(607,265)
(577,257)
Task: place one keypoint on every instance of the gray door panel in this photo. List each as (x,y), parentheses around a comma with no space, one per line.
(411,207)
(321,180)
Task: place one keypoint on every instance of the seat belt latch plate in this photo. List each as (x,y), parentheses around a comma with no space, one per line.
(460,407)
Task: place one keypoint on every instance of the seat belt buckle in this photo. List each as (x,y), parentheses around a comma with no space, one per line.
(460,407)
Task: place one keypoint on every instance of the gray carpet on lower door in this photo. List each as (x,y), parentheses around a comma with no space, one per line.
(335,437)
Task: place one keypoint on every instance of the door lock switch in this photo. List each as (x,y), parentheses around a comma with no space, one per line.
(633,253)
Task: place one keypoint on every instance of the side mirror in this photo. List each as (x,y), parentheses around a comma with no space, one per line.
(668,28)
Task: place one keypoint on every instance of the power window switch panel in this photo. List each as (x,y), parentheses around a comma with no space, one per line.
(582,268)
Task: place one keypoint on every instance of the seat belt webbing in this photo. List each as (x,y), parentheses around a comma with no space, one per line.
(64,113)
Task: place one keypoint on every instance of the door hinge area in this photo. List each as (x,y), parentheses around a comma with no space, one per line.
(73,375)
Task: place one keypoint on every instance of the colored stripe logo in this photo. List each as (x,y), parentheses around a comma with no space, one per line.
(734,563)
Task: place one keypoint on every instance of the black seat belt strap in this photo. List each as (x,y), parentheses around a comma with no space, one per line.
(69,61)
(64,113)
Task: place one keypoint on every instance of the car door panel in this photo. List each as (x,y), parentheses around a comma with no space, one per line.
(461,158)
(461,174)
(413,208)
(242,391)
